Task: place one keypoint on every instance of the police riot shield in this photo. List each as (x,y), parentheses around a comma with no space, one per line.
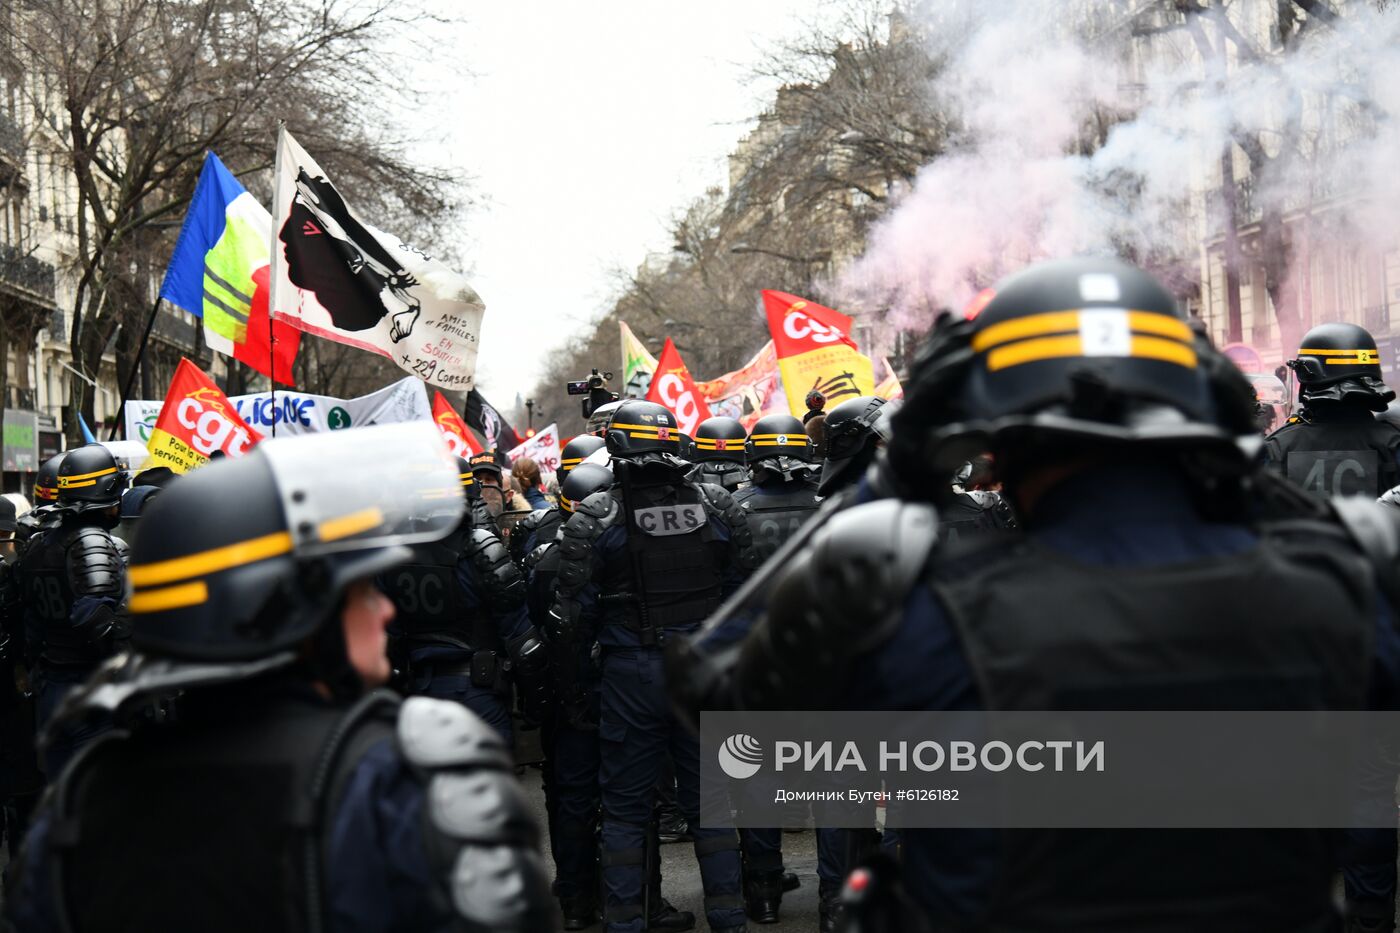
(366,487)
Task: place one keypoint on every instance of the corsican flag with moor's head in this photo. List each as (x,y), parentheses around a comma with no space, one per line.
(220,270)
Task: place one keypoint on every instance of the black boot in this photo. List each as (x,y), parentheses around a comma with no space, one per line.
(829,910)
(665,917)
(790,881)
(673,827)
(580,912)
(763,895)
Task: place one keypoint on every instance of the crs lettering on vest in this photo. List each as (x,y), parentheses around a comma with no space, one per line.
(664,520)
(1336,472)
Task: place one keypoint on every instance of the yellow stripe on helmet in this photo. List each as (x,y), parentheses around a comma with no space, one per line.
(170,597)
(212,561)
(84,479)
(1053,322)
(1048,348)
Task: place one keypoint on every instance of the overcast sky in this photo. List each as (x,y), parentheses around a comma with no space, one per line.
(586,126)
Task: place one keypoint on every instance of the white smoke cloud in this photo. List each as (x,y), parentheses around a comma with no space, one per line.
(1025,78)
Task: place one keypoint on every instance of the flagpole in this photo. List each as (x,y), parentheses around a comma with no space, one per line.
(135,368)
(272,277)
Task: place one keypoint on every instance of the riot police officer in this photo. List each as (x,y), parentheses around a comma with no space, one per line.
(851,434)
(719,453)
(20,778)
(72,583)
(542,525)
(1335,444)
(571,748)
(783,493)
(1143,509)
(287,793)
(45,496)
(640,564)
(462,628)
(781,497)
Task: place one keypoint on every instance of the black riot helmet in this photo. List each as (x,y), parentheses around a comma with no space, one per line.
(854,431)
(719,439)
(1339,362)
(775,436)
(46,480)
(1070,353)
(88,479)
(583,481)
(576,450)
(642,430)
(246,558)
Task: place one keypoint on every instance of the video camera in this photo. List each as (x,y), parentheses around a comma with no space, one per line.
(596,388)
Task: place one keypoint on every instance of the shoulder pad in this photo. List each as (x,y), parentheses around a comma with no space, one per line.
(95,564)
(1374,528)
(501,888)
(1391,498)
(720,501)
(874,553)
(486,545)
(846,587)
(598,505)
(480,805)
(482,835)
(436,734)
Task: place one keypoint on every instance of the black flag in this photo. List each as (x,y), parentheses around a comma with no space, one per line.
(489,423)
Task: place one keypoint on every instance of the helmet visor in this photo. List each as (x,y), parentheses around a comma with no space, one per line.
(365,488)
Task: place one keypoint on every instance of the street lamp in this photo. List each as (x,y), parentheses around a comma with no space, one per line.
(821,257)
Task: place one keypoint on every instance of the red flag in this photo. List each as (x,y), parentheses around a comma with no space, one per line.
(672,386)
(196,420)
(454,430)
(814,351)
(254,351)
(816,325)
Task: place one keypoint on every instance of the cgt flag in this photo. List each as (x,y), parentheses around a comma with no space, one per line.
(335,276)
(672,386)
(454,429)
(815,351)
(219,273)
(196,421)
(487,421)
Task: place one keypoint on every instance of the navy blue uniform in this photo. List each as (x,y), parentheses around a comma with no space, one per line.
(442,671)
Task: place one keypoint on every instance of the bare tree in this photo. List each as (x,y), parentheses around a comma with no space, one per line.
(132,93)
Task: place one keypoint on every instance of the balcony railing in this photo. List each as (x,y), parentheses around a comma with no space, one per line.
(25,272)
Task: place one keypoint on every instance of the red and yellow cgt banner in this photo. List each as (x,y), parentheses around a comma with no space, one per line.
(196,421)
(454,430)
(815,351)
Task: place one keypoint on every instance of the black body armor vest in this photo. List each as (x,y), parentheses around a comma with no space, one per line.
(667,576)
(427,597)
(777,511)
(1287,625)
(1338,458)
(71,561)
(232,815)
